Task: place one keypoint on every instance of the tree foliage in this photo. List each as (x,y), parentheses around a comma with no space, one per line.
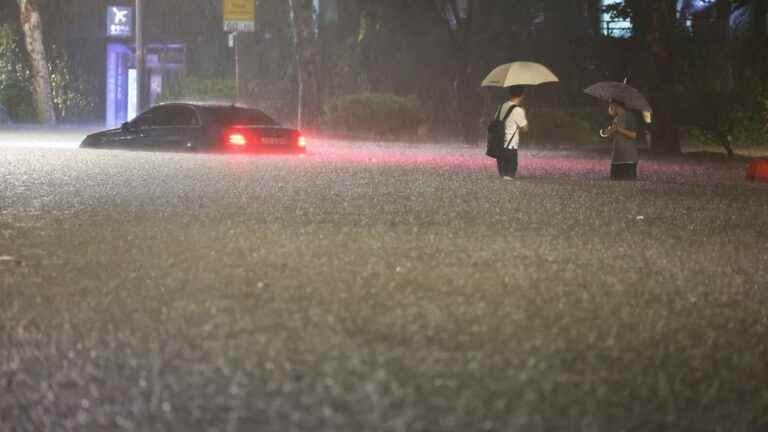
(15,93)
(437,52)
(68,94)
(721,96)
(383,115)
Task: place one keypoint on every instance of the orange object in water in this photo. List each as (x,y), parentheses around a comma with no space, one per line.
(757,170)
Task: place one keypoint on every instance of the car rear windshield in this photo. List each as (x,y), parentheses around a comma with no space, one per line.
(232,116)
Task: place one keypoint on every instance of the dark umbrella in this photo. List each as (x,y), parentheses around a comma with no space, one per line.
(629,96)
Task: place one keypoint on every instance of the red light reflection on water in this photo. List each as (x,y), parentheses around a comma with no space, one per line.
(532,164)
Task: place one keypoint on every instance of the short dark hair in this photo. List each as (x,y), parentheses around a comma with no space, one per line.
(619,103)
(516,91)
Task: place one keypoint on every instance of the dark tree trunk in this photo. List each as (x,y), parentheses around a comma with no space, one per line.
(684,14)
(466,90)
(569,36)
(335,39)
(654,26)
(33,33)
(723,8)
(760,17)
(303,23)
(724,47)
(349,18)
(726,142)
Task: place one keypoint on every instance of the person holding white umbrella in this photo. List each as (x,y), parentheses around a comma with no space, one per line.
(511,115)
(515,124)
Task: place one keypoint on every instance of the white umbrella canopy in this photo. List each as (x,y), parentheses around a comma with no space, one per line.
(519,73)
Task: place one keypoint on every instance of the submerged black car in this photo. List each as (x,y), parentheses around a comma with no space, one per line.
(200,127)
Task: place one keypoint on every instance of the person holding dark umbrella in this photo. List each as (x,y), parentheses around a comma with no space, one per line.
(625,131)
(624,134)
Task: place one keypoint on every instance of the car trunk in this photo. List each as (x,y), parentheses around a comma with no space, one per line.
(262,138)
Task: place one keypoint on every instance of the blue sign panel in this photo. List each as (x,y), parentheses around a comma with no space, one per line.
(118,61)
(119,21)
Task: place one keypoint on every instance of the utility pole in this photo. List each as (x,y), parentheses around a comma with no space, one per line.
(299,41)
(139,57)
(234,43)
(236,36)
(239,16)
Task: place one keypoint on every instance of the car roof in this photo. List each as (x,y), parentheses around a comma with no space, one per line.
(214,109)
(212,105)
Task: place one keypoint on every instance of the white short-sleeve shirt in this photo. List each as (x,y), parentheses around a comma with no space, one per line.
(514,122)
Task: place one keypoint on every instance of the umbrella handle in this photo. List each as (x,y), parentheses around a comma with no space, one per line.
(603,133)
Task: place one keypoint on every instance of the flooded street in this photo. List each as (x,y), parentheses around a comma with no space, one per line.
(379,287)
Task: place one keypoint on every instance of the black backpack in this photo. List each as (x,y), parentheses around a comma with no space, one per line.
(497,133)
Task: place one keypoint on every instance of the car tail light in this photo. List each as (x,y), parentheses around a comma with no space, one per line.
(236,139)
(302,142)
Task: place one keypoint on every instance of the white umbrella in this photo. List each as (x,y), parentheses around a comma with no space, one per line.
(519,73)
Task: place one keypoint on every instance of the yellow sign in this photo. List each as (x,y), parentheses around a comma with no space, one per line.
(239,15)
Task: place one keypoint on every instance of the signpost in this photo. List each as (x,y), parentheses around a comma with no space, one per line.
(120,27)
(119,22)
(239,16)
(140,56)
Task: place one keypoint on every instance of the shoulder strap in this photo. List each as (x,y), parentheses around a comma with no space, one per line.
(509,112)
(506,116)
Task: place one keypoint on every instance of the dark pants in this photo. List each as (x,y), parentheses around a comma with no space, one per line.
(624,171)
(507,163)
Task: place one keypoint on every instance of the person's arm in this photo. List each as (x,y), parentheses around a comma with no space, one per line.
(518,115)
(630,134)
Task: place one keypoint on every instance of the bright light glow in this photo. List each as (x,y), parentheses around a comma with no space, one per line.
(118,58)
(26,136)
(702,4)
(237,139)
(132,94)
(613,26)
(302,141)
